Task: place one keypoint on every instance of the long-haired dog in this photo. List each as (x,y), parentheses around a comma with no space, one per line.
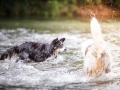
(96,52)
(35,51)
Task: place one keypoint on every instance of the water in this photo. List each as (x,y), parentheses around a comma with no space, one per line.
(65,72)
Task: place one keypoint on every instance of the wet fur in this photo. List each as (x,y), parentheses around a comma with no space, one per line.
(34,51)
(96,52)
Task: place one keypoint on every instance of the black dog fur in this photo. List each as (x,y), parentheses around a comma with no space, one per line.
(34,51)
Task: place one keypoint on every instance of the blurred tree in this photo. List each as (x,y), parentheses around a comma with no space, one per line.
(47,8)
(115,3)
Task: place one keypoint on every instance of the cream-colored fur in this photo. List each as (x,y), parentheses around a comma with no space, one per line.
(96,52)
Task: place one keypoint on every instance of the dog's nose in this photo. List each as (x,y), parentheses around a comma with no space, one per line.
(65,49)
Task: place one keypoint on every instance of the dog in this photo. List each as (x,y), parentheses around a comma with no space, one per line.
(96,51)
(34,51)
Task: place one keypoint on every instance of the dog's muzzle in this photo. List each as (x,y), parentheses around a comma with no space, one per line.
(62,50)
(65,49)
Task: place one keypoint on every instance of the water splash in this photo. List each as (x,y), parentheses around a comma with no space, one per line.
(65,72)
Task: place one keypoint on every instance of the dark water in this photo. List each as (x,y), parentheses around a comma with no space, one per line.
(65,72)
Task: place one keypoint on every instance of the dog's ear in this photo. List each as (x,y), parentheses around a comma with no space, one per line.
(62,39)
(55,41)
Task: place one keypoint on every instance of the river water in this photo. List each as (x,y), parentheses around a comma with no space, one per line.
(65,72)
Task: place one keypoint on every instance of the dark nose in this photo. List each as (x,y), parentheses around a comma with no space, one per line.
(65,49)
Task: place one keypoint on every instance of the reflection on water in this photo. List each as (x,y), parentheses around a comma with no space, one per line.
(65,72)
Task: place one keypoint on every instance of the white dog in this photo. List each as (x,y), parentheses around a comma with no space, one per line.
(96,52)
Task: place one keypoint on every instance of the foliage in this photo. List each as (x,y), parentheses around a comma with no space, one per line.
(46,8)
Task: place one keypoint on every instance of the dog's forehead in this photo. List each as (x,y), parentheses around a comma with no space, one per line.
(60,42)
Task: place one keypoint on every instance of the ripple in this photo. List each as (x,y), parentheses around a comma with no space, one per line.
(65,72)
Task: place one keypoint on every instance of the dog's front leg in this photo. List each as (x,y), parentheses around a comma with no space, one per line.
(55,55)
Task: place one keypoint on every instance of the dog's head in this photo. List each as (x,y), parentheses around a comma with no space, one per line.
(57,45)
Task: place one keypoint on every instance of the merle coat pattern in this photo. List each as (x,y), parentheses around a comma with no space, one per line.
(34,51)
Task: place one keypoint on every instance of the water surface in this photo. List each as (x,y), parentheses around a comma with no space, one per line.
(65,72)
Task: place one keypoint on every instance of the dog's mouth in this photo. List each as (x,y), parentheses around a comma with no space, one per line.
(60,50)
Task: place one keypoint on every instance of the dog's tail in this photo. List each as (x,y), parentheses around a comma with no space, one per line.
(98,40)
(9,53)
(96,30)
